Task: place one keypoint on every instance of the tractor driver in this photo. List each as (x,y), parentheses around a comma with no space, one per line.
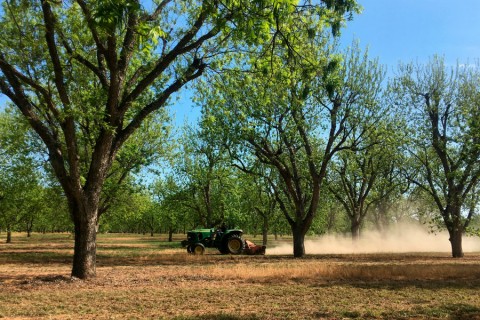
(221,230)
(223,227)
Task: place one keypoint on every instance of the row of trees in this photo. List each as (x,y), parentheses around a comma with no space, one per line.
(192,194)
(311,124)
(289,122)
(206,187)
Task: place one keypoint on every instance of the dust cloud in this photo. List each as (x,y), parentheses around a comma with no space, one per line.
(398,239)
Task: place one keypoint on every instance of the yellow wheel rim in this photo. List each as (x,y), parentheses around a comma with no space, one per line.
(234,245)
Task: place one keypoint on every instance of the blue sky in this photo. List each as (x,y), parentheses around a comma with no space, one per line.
(411,30)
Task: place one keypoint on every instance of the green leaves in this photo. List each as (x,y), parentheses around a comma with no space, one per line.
(111,15)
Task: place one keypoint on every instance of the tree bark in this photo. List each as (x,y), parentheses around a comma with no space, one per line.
(265,230)
(9,235)
(453,220)
(456,242)
(85,250)
(208,205)
(355,228)
(298,242)
(170,234)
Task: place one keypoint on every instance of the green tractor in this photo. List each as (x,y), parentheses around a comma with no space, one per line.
(225,240)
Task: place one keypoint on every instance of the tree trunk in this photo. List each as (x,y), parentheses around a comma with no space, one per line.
(29,227)
(170,234)
(456,242)
(331,219)
(9,235)
(355,228)
(85,250)
(453,220)
(265,230)
(208,205)
(381,219)
(298,242)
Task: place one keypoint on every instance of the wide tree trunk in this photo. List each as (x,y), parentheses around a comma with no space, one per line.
(355,229)
(453,220)
(456,242)
(85,249)
(298,242)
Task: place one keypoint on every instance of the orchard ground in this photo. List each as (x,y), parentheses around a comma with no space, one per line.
(143,277)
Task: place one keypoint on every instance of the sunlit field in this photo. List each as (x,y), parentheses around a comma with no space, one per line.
(143,277)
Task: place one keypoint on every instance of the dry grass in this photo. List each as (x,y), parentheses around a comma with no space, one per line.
(145,278)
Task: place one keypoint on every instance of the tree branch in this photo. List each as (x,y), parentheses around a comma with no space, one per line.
(194,71)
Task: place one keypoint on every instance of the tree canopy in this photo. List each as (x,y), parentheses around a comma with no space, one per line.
(445,138)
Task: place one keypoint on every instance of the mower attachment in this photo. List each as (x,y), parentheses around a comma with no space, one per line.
(254,249)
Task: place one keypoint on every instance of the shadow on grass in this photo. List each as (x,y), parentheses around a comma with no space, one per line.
(140,246)
(22,280)
(462,311)
(457,311)
(449,311)
(393,285)
(36,257)
(219,317)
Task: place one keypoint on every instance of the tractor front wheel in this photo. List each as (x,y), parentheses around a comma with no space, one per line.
(198,248)
(235,244)
(190,248)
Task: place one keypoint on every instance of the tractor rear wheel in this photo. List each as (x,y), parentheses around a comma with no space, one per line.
(190,248)
(235,244)
(198,248)
(223,248)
